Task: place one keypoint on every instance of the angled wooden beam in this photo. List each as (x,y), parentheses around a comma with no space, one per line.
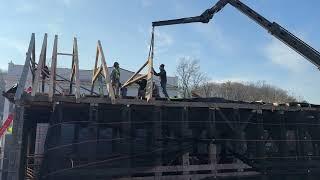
(24,74)
(94,76)
(136,79)
(106,73)
(33,55)
(75,70)
(135,74)
(71,78)
(33,61)
(52,85)
(41,64)
(149,88)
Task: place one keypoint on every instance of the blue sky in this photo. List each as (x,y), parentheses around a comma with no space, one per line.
(231,47)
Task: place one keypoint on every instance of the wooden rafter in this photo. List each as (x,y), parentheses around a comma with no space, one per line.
(96,74)
(52,85)
(41,64)
(149,76)
(33,62)
(132,79)
(24,74)
(75,70)
(103,71)
(149,87)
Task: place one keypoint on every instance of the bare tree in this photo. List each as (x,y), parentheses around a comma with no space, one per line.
(259,91)
(190,76)
(191,79)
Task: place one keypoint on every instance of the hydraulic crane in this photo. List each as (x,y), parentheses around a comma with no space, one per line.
(274,28)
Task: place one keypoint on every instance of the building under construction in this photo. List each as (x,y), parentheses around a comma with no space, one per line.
(94,136)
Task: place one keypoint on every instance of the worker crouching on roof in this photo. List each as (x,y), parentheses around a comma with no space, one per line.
(142,88)
(163,79)
(115,78)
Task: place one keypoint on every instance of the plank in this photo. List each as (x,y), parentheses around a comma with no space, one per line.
(96,74)
(106,73)
(93,80)
(24,74)
(149,88)
(127,83)
(41,64)
(76,69)
(136,79)
(52,84)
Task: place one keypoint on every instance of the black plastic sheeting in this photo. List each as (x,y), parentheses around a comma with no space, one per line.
(83,142)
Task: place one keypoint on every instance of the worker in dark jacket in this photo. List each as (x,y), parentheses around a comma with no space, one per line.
(115,78)
(142,88)
(163,79)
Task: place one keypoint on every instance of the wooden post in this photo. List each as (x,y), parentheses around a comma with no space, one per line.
(261,149)
(41,64)
(157,135)
(184,134)
(24,74)
(126,133)
(52,85)
(283,134)
(93,127)
(212,134)
(17,154)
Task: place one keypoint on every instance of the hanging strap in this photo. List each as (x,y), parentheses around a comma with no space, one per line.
(151,48)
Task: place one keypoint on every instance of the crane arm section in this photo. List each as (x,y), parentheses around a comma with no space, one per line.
(274,28)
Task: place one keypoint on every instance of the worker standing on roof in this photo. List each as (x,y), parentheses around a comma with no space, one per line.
(163,79)
(115,78)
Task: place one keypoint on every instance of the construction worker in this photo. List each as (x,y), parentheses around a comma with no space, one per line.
(163,79)
(155,90)
(123,92)
(115,78)
(142,88)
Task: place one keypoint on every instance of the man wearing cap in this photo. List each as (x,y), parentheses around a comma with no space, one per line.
(115,78)
(163,79)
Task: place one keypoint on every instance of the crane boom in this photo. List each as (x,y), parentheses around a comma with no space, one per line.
(274,28)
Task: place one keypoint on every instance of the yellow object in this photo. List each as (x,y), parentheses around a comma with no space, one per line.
(9,130)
